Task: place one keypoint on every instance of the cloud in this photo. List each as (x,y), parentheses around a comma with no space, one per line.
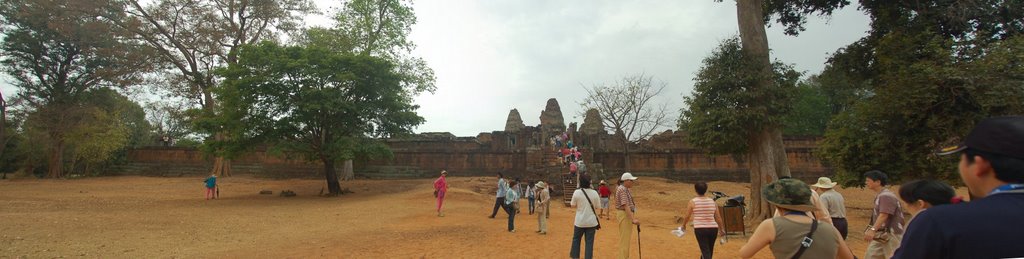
(493,56)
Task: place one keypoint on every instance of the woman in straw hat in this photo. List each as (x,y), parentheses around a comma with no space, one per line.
(794,234)
(543,198)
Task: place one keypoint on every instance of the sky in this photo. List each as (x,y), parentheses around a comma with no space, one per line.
(493,56)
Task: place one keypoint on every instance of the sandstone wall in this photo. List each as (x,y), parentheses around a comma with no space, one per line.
(468,157)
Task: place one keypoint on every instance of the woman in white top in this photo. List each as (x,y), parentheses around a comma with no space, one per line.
(585,200)
(707,220)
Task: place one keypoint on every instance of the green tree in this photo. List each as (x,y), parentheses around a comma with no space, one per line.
(315,103)
(57,51)
(724,110)
(377,28)
(811,109)
(107,124)
(926,71)
(922,100)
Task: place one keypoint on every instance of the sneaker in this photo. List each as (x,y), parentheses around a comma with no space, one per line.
(440,214)
(543,233)
(490,217)
(512,231)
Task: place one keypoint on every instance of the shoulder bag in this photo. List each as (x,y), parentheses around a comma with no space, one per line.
(592,207)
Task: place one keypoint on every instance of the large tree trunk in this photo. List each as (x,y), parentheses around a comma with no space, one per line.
(333,186)
(221,165)
(767,155)
(3,126)
(761,162)
(346,172)
(779,150)
(56,163)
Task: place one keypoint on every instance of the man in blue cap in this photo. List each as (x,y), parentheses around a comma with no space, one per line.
(992,167)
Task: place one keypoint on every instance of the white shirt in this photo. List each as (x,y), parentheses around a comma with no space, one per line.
(585,217)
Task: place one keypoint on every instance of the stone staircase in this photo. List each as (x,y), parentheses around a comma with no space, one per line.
(568,187)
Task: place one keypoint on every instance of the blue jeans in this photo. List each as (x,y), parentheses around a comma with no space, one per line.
(531,205)
(511,216)
(578,233)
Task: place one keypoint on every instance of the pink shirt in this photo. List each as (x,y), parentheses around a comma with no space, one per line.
(704,213)
(441,184)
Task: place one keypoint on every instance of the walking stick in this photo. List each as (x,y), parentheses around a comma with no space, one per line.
(638,247)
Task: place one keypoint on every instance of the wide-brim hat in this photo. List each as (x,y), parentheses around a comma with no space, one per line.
(825,183)
(790,194)
(602,182)
(542,185)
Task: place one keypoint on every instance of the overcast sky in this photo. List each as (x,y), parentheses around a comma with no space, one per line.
(492,56)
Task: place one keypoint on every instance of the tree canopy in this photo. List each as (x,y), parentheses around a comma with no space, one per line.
(925,73)
(725,110)
(59,53)
(315,103)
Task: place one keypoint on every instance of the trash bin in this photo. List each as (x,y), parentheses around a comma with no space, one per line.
(732,215)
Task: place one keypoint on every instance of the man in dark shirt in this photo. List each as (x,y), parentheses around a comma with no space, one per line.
(992,167)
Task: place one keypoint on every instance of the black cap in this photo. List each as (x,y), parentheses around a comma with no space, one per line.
(997,135)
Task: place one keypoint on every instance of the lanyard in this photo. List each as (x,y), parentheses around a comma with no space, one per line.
(1008,188)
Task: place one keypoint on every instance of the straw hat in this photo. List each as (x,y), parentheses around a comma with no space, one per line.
(825,183)
(602,182)
(790,194)
(542,185)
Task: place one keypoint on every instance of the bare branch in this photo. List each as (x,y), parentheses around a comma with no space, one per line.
(626,106)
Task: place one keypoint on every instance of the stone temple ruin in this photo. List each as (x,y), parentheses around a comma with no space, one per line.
(517,151)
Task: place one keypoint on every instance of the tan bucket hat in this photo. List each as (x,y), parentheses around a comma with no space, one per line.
(824,182)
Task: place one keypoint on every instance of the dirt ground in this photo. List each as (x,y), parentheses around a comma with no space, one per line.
(144,217)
